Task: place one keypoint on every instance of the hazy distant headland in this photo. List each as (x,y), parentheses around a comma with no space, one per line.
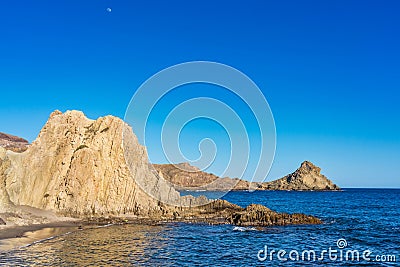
(13,143)
(307,177)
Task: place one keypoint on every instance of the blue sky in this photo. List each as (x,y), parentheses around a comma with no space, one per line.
(329,69)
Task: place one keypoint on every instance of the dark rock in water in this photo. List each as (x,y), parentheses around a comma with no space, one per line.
(2,222)
(13,143)
(258,215)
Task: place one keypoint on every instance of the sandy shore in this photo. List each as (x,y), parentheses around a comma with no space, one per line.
(25,225)
(7,232)
(20,236)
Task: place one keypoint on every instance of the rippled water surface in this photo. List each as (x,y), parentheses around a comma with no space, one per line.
(365,218)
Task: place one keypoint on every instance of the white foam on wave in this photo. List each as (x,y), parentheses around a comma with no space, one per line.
(106,225)
(244,229)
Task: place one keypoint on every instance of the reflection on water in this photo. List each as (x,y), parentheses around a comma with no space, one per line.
(33,236)
(114,245)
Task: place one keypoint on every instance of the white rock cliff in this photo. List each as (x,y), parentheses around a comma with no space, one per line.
(76,167)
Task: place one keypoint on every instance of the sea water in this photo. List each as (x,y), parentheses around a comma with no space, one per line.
(356,222)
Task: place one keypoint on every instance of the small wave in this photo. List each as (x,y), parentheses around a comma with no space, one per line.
(244,229)
(60,235)
(106,225)
(43,240)
(38,241)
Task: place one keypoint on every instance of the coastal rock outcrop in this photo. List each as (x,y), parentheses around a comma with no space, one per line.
(76,167)
(306,177)
(13,143)
(258,215)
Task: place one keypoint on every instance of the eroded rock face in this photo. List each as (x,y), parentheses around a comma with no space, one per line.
(76,167)
(258,215)
(307,177)
(13,143)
